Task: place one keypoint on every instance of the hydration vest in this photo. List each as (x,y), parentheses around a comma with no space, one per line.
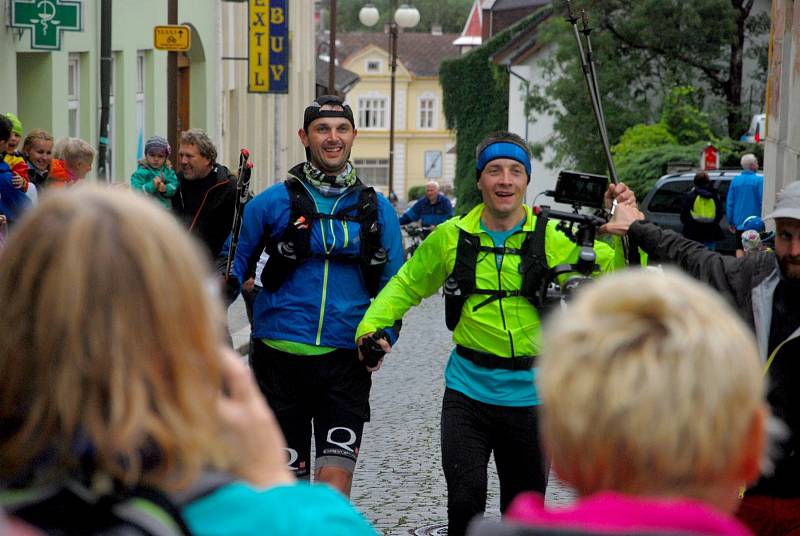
(460,284)
(704,210)
(293,247)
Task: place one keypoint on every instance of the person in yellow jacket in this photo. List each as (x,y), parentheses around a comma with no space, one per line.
(490,399)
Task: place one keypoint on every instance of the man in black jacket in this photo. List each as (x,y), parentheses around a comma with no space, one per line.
(206,194)
(765,288)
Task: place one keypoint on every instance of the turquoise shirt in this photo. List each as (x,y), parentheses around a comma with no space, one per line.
(499,387)
(239,509)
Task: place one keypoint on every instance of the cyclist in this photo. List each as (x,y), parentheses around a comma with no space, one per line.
(431,210)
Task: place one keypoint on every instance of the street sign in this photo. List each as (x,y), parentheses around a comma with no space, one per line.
(174,37)
(268,43)
(46,19)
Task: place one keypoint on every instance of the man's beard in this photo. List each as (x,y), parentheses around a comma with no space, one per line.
(790,267)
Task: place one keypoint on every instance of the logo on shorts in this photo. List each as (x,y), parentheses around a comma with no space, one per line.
(293,458)
(338,440)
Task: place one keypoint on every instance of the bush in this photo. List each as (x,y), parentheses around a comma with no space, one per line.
(642,137)
(641,169)
(416,192)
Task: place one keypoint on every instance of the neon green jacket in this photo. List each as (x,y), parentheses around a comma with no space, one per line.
(505,327)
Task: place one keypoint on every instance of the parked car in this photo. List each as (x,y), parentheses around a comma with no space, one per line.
(662,205)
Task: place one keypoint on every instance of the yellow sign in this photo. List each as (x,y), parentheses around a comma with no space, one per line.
(173,37)
(268,58)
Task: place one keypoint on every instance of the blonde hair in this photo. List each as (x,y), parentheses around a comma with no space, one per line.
(649,385)
(110,343)
(34,135)
(73,150)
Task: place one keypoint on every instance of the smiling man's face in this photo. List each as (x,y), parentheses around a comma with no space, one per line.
(502,185)
(329,141)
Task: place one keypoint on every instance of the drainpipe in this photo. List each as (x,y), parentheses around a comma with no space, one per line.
(172,85)
(527,94)
(105,89)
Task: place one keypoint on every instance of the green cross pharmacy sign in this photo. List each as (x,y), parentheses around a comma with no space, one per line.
(46,20)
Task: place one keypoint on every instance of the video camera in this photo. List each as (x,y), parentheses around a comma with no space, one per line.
(581,190)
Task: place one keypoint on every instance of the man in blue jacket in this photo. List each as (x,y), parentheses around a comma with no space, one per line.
(431,210)
(744,198)
(333,243)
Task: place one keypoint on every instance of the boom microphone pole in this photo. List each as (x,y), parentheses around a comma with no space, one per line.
(590,75)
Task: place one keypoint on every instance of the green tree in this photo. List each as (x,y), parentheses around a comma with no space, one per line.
(641,47)
(451,14)
(644,151)
(476,104)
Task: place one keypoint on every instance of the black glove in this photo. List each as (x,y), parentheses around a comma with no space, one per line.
(371,349)
(231,289)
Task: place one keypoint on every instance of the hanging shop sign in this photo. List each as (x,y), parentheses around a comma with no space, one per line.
(47,19)
(268,46)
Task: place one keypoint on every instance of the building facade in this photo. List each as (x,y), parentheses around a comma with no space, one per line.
(266,124)
(59,90)
(422,142)
(782,147)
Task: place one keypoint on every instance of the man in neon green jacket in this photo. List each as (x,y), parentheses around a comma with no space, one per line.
(490,261)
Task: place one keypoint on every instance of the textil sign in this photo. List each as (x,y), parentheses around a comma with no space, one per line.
(47,19)
(268,58)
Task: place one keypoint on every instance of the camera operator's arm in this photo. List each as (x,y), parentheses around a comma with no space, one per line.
(664,245)
(624,216)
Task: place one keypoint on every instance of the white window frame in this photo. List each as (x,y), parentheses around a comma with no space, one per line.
(364,167)
(112,123)
(377,70)
(372,112)
(427,112)
(140,99)
(74,95)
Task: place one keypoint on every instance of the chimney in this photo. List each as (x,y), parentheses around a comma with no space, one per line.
(436,29)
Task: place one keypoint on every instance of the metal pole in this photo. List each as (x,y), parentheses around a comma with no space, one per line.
(332,51)
(597,99)
(172,84)
(393,52)
(103,172)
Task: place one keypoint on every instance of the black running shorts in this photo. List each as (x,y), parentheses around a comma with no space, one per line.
(328,392)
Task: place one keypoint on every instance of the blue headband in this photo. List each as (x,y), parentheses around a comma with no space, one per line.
(504,149)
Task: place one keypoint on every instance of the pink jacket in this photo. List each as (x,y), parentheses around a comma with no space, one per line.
(614,513)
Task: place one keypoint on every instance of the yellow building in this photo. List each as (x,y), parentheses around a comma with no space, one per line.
(422,141)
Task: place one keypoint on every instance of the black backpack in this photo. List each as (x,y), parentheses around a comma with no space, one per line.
(72,509)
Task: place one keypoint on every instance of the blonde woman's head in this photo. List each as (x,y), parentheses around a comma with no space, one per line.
(110,342)
(651,385)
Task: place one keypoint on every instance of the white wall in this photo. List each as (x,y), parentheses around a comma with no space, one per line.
(538,130)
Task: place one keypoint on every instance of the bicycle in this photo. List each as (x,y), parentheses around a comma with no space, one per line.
(416,234)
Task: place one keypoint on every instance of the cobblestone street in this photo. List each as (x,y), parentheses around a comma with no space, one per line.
(399,485)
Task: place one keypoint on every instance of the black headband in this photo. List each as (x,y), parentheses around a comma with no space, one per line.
(314,110)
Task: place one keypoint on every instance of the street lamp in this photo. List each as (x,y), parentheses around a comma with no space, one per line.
(405,16)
